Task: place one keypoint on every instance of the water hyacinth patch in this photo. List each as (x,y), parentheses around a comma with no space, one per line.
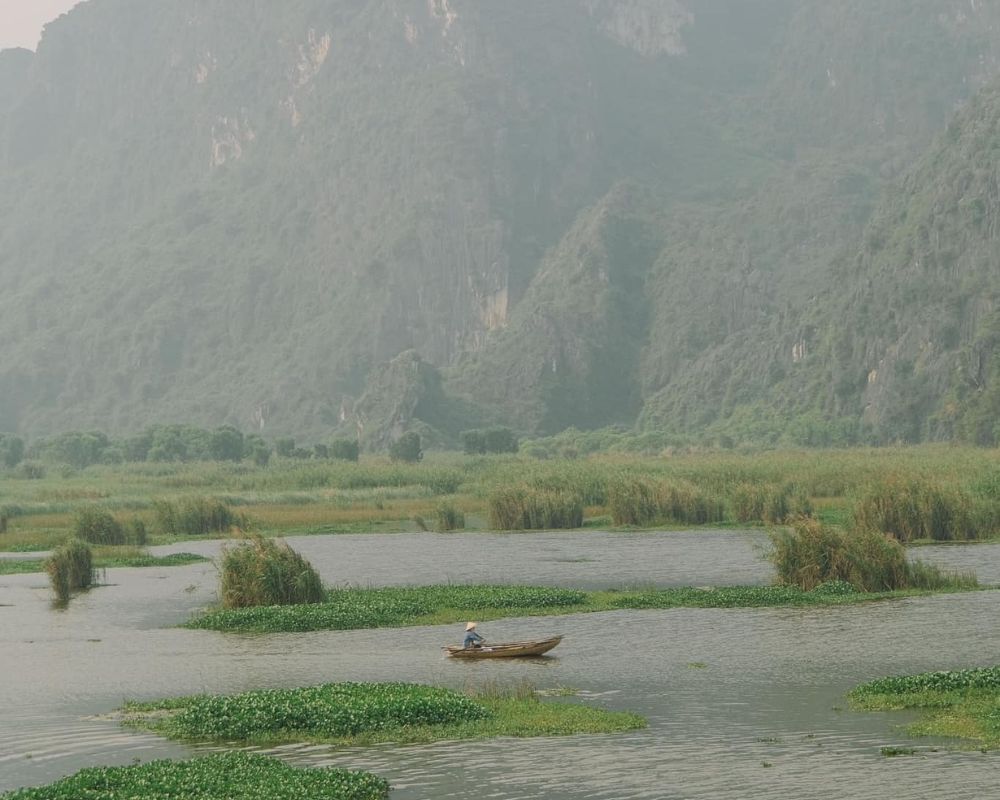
(944,681)
(230,776)
(330,710)
(351,609)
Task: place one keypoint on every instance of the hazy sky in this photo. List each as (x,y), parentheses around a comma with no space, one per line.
(21,21)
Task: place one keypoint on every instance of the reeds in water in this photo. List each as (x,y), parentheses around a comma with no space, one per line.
(449,518)
(519,508)
(197,516)
(70,568)
(811,553)
(264,572)
(915,509)
(98,526)
(637,500)
(764,502)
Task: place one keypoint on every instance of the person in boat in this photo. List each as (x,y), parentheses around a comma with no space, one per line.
(472,639)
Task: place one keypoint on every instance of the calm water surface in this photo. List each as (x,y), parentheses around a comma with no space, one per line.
(741,703)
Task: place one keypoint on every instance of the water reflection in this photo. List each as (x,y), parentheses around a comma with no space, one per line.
(726,691)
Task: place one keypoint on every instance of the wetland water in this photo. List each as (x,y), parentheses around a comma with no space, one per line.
(741,702)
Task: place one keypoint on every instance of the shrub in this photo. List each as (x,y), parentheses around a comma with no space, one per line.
(70,568)
(407,448)
(344,449)
(521,508)
(449,518)
(197,516)
(31,471)
(262,572)
(98,526)
(135,529)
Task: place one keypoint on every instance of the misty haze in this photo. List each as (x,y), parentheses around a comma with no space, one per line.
(519,399)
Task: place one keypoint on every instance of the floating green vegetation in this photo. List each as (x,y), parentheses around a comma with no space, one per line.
(10,566)
(366,713)
(229,776)
(961,703)
(349,609)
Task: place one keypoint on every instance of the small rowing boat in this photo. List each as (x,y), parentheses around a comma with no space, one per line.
(505,650)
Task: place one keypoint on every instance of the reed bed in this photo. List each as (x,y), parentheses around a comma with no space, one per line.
(263,572)
(449,518)
(641,501)
(810,553)
(521,508)
(225,776)
(197,516)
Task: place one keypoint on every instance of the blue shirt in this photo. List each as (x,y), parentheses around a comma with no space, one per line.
(471,637)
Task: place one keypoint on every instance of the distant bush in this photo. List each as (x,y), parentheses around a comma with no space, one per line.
(11,450)
(407,448)
(197,516)
(262,572)
(70,568)
(284,446)
(98,526)
(528,508)
(490,440)
(344,449)
(449,518)
(31,471)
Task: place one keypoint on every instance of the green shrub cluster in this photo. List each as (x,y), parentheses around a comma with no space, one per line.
(263,572)
(98,526)
(197,516)
(520,508)
(911,509)
(228,776)
(641,501)
(810,553)
(331,710)
(70,568)
(490,440)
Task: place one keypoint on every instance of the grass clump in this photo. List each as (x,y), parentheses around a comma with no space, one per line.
(227,776)
(197,516)
(641,501)
(958,703)
(365,713)
(770,504)
(520,508)
(915,509)
(98,526)
(263,572)
(70,569)
(449,518)
(810,553)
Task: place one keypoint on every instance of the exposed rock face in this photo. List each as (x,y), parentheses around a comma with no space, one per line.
(650,27)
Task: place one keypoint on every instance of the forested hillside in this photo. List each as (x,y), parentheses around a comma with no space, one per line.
(712,218)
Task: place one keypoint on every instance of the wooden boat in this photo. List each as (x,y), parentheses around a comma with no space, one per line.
(505,650)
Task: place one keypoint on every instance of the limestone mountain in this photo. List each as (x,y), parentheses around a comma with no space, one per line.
(576,212)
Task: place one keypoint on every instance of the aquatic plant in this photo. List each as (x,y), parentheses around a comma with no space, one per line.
(518,508)
(449,518)
(263,572)
(197,516)
(810,553)
(70,568)
(98,526)
(764,502)
(227,776)
(638,500)
(911,509)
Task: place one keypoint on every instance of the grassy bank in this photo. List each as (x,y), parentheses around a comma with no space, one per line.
(961,704)
(350,609)
(105,560)
(367,713)
(921,493)
(230,776)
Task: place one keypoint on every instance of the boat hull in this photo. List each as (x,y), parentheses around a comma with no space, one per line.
(506,650)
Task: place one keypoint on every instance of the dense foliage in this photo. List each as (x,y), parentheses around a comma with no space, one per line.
(263,572)
(70,568)
(695,269)
(229,776)
(943,681)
